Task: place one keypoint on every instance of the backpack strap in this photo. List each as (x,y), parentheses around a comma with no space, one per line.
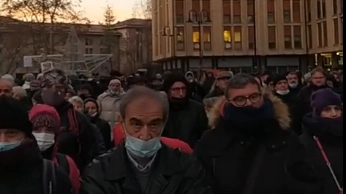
(63,162)
(49,177)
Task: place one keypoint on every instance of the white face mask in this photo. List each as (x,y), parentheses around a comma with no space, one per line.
(44,140)
(293,85)
(282,92)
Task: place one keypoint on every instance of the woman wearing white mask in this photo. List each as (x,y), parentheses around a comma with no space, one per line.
(92,111)
(46,127)
(281,90)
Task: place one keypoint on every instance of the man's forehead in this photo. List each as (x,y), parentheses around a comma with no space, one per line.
(5,83)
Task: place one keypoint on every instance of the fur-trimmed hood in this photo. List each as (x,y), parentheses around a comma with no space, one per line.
(281,110)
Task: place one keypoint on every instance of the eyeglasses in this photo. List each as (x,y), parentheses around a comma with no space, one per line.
(241,100)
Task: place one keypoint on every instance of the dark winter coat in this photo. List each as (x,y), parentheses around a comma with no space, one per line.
(232,158)
(174,173)
(330,135)
(86,146)
(104,129)
(187,123)
(25,174)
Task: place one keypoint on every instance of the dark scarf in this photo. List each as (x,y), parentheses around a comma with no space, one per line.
(20,157)
(315,88)
(329,131)
(249,121)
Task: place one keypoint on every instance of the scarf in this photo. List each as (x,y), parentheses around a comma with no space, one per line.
(249,121)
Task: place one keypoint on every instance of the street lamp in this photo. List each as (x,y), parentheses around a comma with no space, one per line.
(199,18)
(167,33)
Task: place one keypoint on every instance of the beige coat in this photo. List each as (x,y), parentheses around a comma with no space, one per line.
(109,107)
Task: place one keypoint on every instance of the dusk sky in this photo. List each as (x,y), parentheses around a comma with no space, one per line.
(94,9)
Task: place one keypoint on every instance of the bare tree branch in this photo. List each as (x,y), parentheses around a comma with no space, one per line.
(142,9)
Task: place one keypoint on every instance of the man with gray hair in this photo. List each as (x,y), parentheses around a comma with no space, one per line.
(142,164)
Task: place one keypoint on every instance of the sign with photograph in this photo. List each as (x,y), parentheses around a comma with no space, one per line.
(46,66)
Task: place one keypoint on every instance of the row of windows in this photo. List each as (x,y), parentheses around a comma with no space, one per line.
(232,10)
(232,37)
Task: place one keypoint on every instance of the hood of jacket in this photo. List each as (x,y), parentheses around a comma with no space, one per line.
(281,111)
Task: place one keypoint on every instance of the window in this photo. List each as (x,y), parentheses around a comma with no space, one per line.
(227,37)
(226,12)
(325,34)
(237,37)
(271,11)
(271,18)
(341,6)
(195,6)
(342,30)
(336,31)
(88,51)
(287,16)
(319,16)
(288,37)
(319,31)
(297,37)
(335,7)
(271,37)
(180,39)
(310,36)
(236,12)
(287,11)
(179,11)
(250,11)
(207,38)
(206,7)
(324,8)
(251,37)
(308,7)
(195,38)
(296,11)
(236,19)
(88,41)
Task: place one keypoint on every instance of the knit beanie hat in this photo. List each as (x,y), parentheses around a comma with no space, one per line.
(14,116)
(278,78)
(171,78)
(54,76)
(42,115)
(323,98)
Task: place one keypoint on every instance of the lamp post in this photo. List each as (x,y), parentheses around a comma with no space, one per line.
(255,62)
(199,18)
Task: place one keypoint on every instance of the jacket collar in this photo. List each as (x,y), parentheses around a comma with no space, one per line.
(166,166)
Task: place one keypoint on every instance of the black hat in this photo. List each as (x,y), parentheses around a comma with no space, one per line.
(170,79)
(278,78)
(14,116)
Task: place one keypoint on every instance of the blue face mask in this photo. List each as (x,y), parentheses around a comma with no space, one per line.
(140,148)
(5,146)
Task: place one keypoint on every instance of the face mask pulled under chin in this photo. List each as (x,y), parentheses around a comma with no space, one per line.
(141,148)
(52,97)
(293,85)
(44,140)
(282,92)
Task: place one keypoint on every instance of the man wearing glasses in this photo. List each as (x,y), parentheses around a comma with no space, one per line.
(251,148)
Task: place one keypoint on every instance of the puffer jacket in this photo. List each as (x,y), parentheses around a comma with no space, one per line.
(109,107)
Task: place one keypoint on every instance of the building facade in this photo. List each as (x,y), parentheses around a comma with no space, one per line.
(135,44)
(247,35)
(19,39)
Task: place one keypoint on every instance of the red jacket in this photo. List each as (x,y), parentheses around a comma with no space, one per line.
(118,137)
(74,173)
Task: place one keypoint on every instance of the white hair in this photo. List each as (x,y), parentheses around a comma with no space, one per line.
(76,99)
(19,91)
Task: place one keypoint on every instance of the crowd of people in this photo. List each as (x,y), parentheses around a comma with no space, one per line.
(262,133)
